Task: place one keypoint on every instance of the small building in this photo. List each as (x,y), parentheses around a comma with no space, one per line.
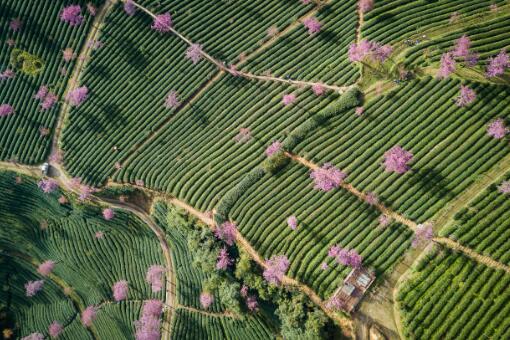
(45,169)
(354,288)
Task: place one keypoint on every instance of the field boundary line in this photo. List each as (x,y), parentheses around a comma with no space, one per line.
(78,69)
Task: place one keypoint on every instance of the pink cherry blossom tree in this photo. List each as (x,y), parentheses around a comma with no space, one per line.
(129,7)
(55,329)
(223,260)
(120,290)
(365,5)
(504,187)
(48,185)
(72,15)
(152,308)
(384,221)
(447,65)
(15,24)
(172,100)
(324,266)
(108,214)
(345,257)
(371,198)
(227,232)
(46,267)
(466,97)
(34,336)
(292,222)
(288,99)
(369,50)
(461,49)
(313,25)
(327,177)
(252,303)
(6,110)
(397,160)
(273,148)
(276,267)
(335,303)
(194,53)
(243,136)
(498,65)
(318,89)
(33,287)
(77,96)
(154,277)
(68,54)
(206,299)
(424,232)
(497,129)
(88,316)
(162,23)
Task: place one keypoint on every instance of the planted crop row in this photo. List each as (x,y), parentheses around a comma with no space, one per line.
(41,34)
(449,143)
(395,20)
(453,297)
(485,225)
(324,219)
(487,39)
(196,158)
(321,57)
(192,325)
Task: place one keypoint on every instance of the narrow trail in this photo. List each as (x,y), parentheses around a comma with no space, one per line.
(67,290)
(221,65)
(359,24)
(386,211)
(345,323)
(78,69)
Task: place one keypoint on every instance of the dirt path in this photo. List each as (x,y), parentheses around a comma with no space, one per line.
(386,211)
(67,290)
(359,24)
(82,60)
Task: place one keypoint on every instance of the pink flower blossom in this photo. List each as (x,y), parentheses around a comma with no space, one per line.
(46,267)
(324,266)
(384,221)
(318,89)
(365,5)
(462,46)
(423,233)
(91,9)
(397,160)
(62,200)
(313,25)
(334,251)
(6,110)
(155,277)
(194,53)
(72,15)
(148,328)
(466,97)
(129,7)
(34,336)
(227,232)
(335,303)
(272,31)
(108,214)
(346,257)
(172,100)
(42,92)
(85,192)
(447,65)
(152,308)
(292,222)
(68,54)
(243,136)
(223,260)
(48,185)
(327,177)
(275,147)
(371,198)
(49,101)
(206,299)
(288,99)
(497,129)
(498,64)
(33,287)
(55,329)
(88,316)
(244,291)
(99,235)
(372,50)
(162,23)
(359,111)
(504,187)
(7,74)
(276,267)
(472,59)
(77,96)
(252,304)
(120,290)
(15,24)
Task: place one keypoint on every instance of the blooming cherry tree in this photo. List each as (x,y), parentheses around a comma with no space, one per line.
(447,65)
(288,99)
(72,15)
(370,50)
(227,232)
(206,299)
(77,96)
(172,100)
(154,277)
(46,267)
(243,136)
(89,316)
(194,53)
(223,260)
(120,290)
(55,329)
(276,267)
(108,214)
(397,160)
(15,24)
(33,287)
(466,97)
(384,221)
(129,7)
(292,222)
(34,336)
(462,46)
(318,89)
(504,187)
(327,177)
(313,25)
(498,64)
(48,185)
(497,129)
(365,5)
(162,23)
(273,148)
(6,110)
(148,327)
(423,233)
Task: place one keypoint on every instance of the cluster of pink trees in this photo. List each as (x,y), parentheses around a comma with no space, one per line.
(327,177)
(424,233)
(120,290)
(154,277)
(369,50)
(47,99)
(466,96)
(33,287)
(223,260)
(397,160)
(345,256)
(48,185)
(6,110)
(273,148)
(194,53)
(77,96)
(72,15)
(497,129)
(227,232)
(276,267)
(498,64)
(148,327)
(206,299)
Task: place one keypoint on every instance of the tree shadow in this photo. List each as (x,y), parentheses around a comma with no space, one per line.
(432,182)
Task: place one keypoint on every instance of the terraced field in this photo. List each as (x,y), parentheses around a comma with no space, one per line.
(453,297)
(43,35)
